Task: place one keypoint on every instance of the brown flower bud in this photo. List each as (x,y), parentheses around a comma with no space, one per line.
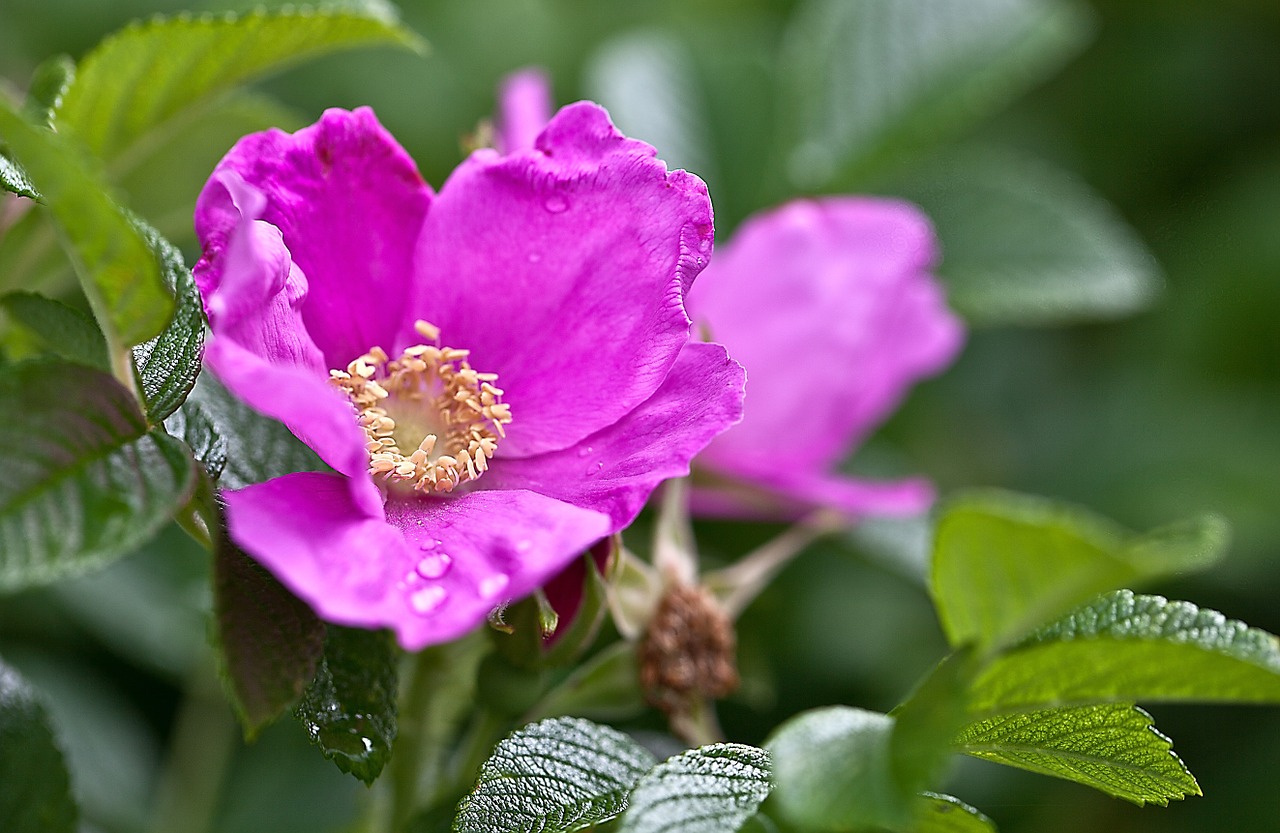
(688,650)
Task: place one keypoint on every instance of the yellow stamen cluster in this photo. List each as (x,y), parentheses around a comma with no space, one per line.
(429,392)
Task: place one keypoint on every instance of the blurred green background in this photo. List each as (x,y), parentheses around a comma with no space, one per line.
(1170,112)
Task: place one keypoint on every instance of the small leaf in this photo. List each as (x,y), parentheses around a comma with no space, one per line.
(1027,244)
(192,425)
(14,179)
(257,448)
(713,789)
(832,770)
(56,328)
(269,642)
(864,80)
(49,83)
(349,710)
(1004,563)
(1126,648)
(169,363)
(939,813)
(119,274)
(555,776)
(85,481)
(155,72)
(1111,747)
(35,792)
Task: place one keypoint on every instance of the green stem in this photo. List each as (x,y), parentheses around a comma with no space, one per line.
(203,740)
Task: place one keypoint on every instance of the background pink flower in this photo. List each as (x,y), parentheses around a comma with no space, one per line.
(830,306)
(560,267)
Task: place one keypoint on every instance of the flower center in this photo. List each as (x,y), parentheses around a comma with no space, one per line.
(430,419)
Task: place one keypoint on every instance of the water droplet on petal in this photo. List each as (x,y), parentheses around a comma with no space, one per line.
(704,245)
(524,545)
(534,257)
(428,599)
(594,468)
(434,565)
(491,586)
(556,204)
(585,450)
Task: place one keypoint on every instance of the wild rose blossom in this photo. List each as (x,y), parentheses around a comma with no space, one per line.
(498,373)
(830,306)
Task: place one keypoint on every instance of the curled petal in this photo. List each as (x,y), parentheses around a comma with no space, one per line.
(348,203)
(614,470)
(563,269)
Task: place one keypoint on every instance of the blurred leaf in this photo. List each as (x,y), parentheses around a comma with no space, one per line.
(49,84)
(1125,648)
(118,271)
(349,709)
(554,776)
(712,789)
(269,642)
(35,794)
(56,328)
(1024,243)
(85,481)
(187,59)
(605,687)
(832,770)
(945,814)
(868,79)
(257,448)
(169,363)
(1112,747)
(649,84)
(1005,563)
(926,722)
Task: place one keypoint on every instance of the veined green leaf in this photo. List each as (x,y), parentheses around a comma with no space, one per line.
(35,794)
(712,789)
(14,179)
(350,707)
(832,770)
(85,481)
(867,79)
(269,642)
(53,327)
(1027,244)
(554,776)
(169,363)
(152,74)
(1127,648)
(1005,564)
(118,271)
(255,448)
(1112,747)
(939,813)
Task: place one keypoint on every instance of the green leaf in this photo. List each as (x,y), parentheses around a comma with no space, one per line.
(35,793)
(269,642)
(1027,244)
(53,327)
(1126,648)
(85,481)
(554,776)
(939,813)
(118,271)
(1111,747)
(169,363)
(927,721)
(1004,563)
(605,687)
(257,448)
(868,79)
(49,83)
(832,770)
(14,179)
(349,710)
(192,425)
(156,73)
(713,789)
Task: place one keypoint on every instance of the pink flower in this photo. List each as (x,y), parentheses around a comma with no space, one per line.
(830,306)
(498,373)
